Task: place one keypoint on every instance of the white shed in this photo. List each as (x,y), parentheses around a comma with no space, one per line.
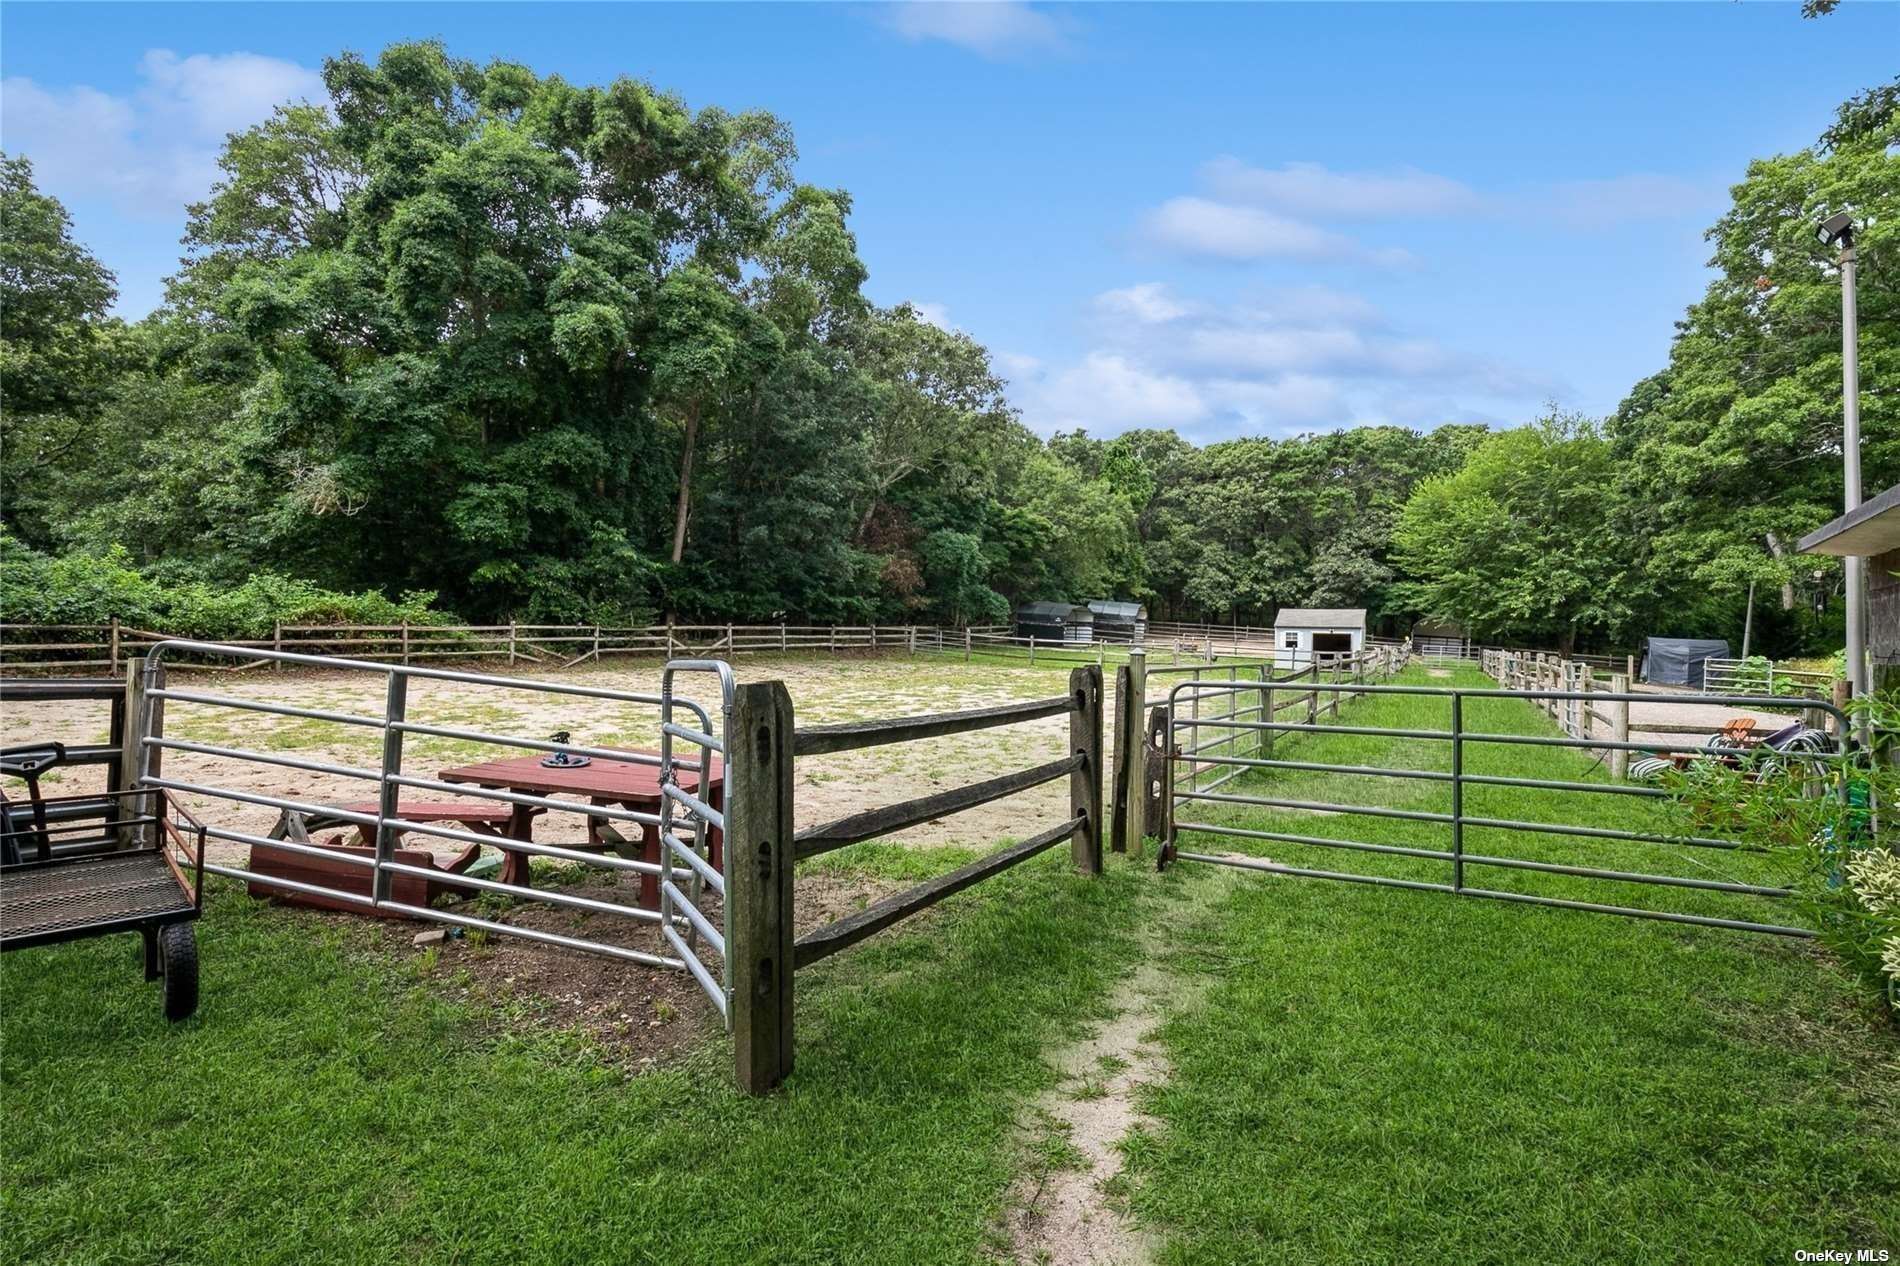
(1303,634)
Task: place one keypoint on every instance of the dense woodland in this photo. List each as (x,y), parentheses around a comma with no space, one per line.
(474,340)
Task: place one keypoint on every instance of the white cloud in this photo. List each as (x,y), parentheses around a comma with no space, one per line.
(996,29)
(1148,302)
(1107,393)
(1218,230)
(1310,189)
(1017,365)
(156,149)
(1309,358)
(933,313)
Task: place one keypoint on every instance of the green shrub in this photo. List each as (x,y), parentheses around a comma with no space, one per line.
(1833,833)
(36,588)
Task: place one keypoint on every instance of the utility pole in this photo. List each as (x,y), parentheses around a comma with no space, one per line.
(1838,230)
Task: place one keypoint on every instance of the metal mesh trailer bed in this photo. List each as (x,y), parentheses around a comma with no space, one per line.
(46,899)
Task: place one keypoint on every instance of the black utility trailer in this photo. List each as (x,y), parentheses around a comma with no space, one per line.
(125,878)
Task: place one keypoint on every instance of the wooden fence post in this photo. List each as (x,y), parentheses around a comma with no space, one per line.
(113,650)
(1131,754)
(1085,784)
(759,884)
(277,644)
(911,648)
(511,641)
(966,643)
(405,641)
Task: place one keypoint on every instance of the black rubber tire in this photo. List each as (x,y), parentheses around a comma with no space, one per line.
(178,956)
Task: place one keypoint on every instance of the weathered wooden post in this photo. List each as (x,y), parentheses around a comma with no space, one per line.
(1085,783)
(405,641)
(112,645)
(966,643)
(759,862)
(277,644)
(912,648)
(511,641)
(1032,650)
(1131,772)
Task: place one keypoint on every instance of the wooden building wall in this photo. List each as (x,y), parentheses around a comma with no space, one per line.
(1883,620)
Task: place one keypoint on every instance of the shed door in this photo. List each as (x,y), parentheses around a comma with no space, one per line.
(1332,643)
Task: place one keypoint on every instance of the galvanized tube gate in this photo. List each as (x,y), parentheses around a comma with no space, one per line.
(1186,718)
(683,823)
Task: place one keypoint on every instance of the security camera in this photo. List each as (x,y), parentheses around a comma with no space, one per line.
(1838,227)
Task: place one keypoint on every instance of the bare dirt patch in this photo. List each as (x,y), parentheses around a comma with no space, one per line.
(822,691)
(640,1015)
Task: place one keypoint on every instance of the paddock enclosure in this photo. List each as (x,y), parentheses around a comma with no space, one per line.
(745,780)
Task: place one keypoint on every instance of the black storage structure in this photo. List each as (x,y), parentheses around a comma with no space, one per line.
(1055,622)
(1680,661)
(1119,621)
(1440,639)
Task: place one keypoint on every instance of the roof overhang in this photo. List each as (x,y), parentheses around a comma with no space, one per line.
(1871,528)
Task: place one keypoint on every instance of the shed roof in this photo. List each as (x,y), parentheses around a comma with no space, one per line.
(1119,610)
(1320,618)
(1872,527)
(1055,611)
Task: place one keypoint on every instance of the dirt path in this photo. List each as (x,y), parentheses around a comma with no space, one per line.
(1664,723)
(1063,1214)
(1068,1208)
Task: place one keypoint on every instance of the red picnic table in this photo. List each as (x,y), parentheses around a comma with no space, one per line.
(625,784)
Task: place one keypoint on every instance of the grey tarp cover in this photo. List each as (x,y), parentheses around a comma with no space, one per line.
(1677,661)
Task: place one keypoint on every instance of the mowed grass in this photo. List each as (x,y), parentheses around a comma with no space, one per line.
(1373,1074)
(1359,1073)
(322,1108)
(1615,809)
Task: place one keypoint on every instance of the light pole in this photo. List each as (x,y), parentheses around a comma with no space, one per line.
(1838,230)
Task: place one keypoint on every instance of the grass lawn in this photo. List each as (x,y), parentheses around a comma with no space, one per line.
(1358,1074)
(321,1108)
(1375,1074)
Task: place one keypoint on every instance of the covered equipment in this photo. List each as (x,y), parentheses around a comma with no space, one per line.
(1680,661)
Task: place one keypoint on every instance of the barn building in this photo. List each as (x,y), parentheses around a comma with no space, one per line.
(1119,621)
(1872,531)
(1302,634)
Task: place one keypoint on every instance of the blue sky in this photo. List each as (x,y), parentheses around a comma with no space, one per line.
(1228,219)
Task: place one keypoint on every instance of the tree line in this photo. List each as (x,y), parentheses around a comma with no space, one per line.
(481,339)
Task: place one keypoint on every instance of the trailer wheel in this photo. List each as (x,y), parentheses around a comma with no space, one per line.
(178,955)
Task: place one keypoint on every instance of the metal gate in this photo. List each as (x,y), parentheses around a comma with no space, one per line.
(244,762)
(1196,766)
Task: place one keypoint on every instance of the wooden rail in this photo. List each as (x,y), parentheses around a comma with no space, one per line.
(848,736)
(763,849)
(874,918)
(872,823)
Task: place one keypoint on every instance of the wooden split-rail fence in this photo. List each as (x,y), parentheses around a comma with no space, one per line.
(1577,718)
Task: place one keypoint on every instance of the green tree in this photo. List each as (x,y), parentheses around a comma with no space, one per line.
(1732,452)
(1522,543)
(55,345)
